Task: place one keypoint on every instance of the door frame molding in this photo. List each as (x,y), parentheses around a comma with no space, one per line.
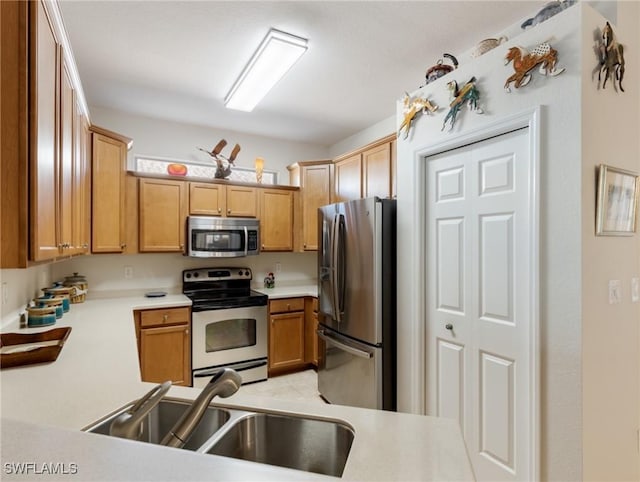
(529,118)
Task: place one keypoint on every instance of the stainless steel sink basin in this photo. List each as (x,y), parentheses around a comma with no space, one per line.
(319,446)
(163,417)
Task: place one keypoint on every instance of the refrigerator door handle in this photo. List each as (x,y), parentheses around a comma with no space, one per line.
(343,346)
(334,269)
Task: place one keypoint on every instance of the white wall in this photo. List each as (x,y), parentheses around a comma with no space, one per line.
(105,272)
(163,138)
(560,229)
(610,341)
(376,131)
(19,286)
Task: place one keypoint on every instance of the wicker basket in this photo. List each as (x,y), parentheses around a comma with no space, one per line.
(80,286)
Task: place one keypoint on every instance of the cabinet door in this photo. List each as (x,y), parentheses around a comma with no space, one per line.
(276,220)
(206,199)
(165,354)
(65,184)
(348,179)
(45,62)
(163,214)
(286,340)
(108,174)
(315,193)
(376,167)
(242,202)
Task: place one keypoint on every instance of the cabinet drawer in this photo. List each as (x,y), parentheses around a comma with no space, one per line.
(169,316)
(286,305)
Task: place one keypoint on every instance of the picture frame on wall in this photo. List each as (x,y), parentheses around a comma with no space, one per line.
(617,201)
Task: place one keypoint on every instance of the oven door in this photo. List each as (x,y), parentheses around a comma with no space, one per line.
(227,336)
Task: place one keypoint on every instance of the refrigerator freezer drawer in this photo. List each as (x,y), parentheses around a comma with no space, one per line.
(350,373)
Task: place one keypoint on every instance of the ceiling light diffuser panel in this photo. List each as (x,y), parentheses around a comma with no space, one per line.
(272,60)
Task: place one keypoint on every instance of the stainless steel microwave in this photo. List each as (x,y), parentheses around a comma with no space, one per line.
(213,237)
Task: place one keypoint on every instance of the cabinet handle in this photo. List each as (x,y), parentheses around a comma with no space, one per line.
(219,210)
(272,320)
(288,307)
(165,317)
(186,332)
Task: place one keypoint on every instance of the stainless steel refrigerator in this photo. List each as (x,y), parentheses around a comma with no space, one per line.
(357,303)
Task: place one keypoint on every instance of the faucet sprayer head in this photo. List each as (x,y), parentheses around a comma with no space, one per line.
(228,382)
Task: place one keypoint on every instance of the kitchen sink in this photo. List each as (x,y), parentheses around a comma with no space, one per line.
(293,441)
(163,417)
(312,445)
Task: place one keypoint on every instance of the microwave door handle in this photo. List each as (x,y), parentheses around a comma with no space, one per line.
(246,241)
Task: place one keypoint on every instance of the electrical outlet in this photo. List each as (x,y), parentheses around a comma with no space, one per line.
(5,293)
(615,292)
(635,290)
(128,272)
(278,267)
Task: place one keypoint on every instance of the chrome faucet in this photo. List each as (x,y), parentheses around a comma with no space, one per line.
(224,384)
(129,423)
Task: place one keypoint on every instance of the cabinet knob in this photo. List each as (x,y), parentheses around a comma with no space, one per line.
(288,307)
(228,211)
(219,210)
(165,317)
(85,246)
(304,245)
(182,246)
(272,320)
(186,332)
(123,245)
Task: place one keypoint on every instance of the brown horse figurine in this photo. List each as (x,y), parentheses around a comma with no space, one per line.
(524,62)
(611,59)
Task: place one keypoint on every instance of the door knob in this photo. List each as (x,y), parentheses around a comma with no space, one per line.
(449,326)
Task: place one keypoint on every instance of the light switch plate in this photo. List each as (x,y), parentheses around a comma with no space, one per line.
(635,290)
(128,272)
(615,292)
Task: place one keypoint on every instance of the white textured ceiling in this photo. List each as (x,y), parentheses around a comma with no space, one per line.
(177,59)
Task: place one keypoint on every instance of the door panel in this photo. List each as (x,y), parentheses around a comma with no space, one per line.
(478,300)
(451,389)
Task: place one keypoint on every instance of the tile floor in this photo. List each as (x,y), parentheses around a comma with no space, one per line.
(300,386)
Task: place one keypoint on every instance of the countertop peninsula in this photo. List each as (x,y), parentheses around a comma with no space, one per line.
(44,407)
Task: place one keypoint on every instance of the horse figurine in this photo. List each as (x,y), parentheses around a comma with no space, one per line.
(412,107)
(611,59)
(524,62)
(468,94)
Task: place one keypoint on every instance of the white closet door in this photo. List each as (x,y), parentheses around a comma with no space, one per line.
(478,300)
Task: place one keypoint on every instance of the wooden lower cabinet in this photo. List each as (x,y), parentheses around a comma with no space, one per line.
(286,335)
(311,342)
(164,344)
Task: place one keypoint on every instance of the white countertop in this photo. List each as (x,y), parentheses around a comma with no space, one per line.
(44,407)
(290,291)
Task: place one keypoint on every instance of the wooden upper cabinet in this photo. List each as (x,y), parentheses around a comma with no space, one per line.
(108,209)
(348,179)
(276,220)
(315,192)
(206,199)
(242,201)
(376,168)
(81,212)
(44,124)
(65,183)
(162,215)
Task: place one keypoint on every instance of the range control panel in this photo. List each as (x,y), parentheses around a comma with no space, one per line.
(216,274)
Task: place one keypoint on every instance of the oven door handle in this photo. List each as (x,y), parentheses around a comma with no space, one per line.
(246,241)
(239,367)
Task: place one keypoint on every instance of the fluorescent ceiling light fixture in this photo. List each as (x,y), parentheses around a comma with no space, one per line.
(275,56)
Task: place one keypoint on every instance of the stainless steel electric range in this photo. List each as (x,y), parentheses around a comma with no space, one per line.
(229,323)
